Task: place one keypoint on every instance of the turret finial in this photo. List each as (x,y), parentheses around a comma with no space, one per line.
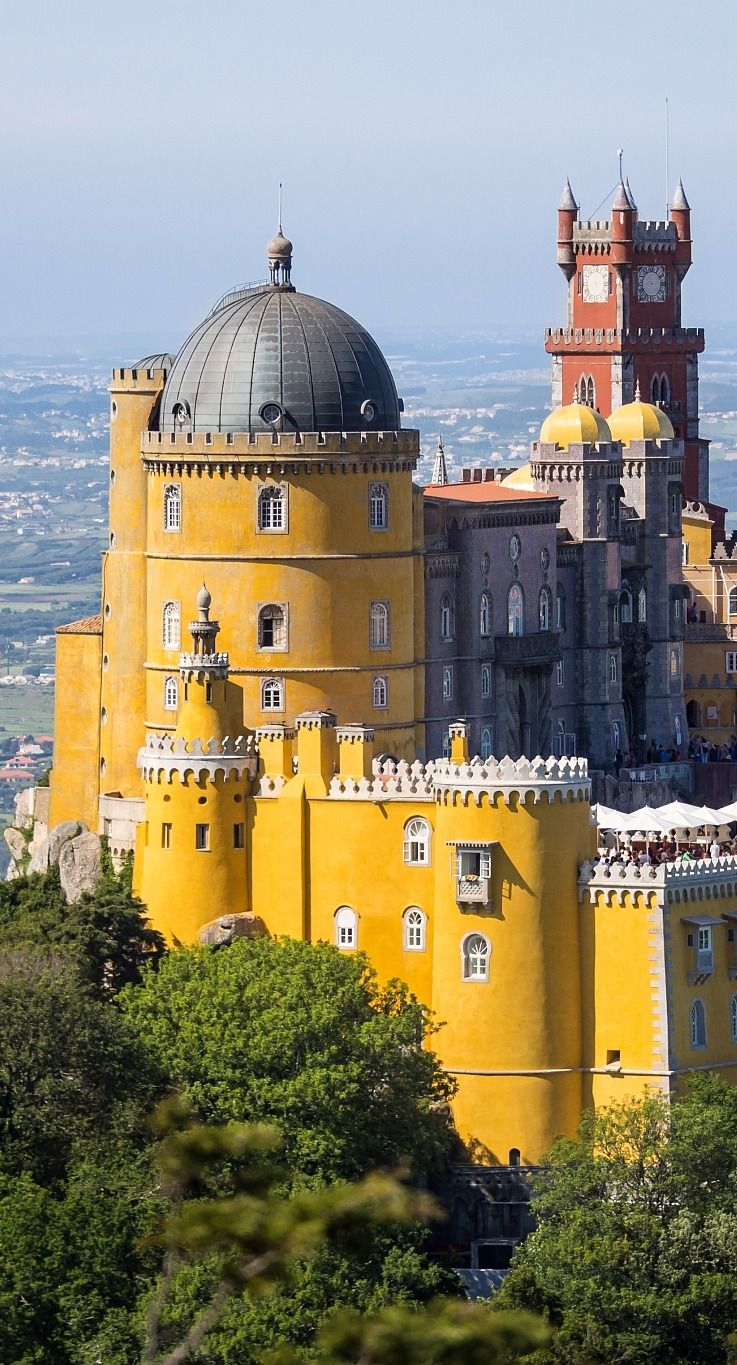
(637,392)
(576,394)
(439,469)
(279,252)
(679,201)
(567,199)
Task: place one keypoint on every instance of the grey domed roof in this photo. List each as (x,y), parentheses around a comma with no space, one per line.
(162,360)
(316,367)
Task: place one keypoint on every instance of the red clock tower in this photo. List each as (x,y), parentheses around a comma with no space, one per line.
(624,319)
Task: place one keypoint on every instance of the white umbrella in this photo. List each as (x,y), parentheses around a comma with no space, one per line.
(606,818)
(682,815)
(646,820)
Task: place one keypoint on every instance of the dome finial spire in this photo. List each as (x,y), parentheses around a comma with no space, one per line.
(638,396)
(576,395)
(279,252)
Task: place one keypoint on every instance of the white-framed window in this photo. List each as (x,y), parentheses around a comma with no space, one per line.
(379,625)
(684,552)
(698,1024)
(642,606)
(730,661)
(416,848)
(516,610)
(447,617)
(202,838)
(448,682)
(346,927)
(705,949)
(380,694)
(733,601)
(475,954)
(559,672)
(560,608)
(170,625)
(272,626)
(677,608)
(166,834)
(378,506)
(171,694)
(272,694)
(486,745)
(733,1018)
(485,615)
(486,680)
(545,608)
(446,744)
(473,862)
(675,663)
(173,507)
(414,923)
(272,508)
(612,668)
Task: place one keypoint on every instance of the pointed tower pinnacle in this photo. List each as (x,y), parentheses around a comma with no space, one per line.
(439,469)
(679,201)
(629,193)
(576,395)
(638,397)
(567,199)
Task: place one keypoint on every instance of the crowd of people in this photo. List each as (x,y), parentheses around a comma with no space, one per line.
(651,852)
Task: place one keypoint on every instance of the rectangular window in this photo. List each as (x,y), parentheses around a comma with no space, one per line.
(684,552)
(675,665)
(474,862)
(378,506)
(238,836)
(485,680)
(559,672)
(166,836)
(730,661)
(202,838)
(272,508)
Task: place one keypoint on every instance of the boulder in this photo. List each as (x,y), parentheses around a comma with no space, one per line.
(47,853)
(17,843)
(79,865)
(24,802)
(219,932)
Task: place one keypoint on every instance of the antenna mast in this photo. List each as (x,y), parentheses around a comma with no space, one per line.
(280,205)
(667,168)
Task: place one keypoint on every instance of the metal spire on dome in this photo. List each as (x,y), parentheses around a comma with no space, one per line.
(439,469)
(679,201)
(567,199)
(576,394)
(279,252)
(638,396)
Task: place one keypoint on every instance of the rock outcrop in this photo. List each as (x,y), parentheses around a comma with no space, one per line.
(80,864)
(219,932)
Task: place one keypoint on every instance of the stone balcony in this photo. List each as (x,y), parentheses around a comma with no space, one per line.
(527,651)
(472,890)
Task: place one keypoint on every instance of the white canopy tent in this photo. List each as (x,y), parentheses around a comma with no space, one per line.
(681,815)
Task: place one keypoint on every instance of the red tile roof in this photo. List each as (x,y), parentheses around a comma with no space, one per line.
(483,492)
(89,625)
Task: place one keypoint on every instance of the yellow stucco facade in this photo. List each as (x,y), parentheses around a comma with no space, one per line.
(710,645)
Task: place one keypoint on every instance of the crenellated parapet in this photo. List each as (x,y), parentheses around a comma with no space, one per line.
(162,756)
(704,879)
(551,779)
(390,782)
(283,452)
(615,338)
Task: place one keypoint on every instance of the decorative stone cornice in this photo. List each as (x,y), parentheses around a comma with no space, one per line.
(673,883)
(559,779)
(162,756)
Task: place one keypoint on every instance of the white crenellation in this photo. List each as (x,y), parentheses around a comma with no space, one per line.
(555,778)
(705,879)
(162,756)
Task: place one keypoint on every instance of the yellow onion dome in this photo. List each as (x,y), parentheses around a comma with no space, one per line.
(576,424)
(640,421)
(520,478)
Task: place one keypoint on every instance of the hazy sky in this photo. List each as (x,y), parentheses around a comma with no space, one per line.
(422,145)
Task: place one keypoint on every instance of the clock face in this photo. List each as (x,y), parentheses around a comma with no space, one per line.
(595,283)
(651,284)
(515,548)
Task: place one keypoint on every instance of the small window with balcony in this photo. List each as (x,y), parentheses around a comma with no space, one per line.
(173,507)
(472,874)
(475,954)
(378,507)
(417,843)
(698,1024)
(701,943)
(414,923)
(272,508)
(346,928)
(272,626)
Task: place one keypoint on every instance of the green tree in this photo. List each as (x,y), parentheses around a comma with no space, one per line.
(304,1037)
(71,1067)
(105,932)
(635,1254)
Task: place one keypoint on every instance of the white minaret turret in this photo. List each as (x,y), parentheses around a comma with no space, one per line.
(439,469)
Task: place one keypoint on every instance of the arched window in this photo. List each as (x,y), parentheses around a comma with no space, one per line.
(642,606)
(475,953)
(545,608)
(379,694)
(379,625)
(655,389)
(171,694)
(172,507)
(417,843)
(378,506)
(486,742)
(170,625)
(272,627)
(447,617)
(612,668)
(414,922)
(590,392)
(272,508)
(560,608)
(448,683)
(733,1018)
(698,1024)
(516,610)
(485,615)
(272,694)
(733,601)
(626,605)
(486,680)
(346,927)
